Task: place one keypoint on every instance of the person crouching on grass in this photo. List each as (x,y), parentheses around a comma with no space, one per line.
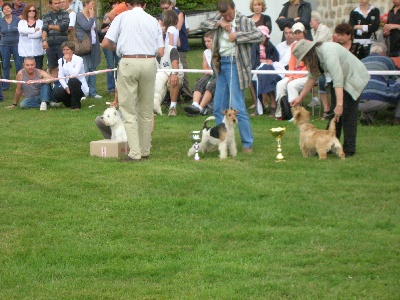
(349,78)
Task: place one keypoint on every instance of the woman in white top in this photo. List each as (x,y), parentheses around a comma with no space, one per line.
(30,35)
(72,89)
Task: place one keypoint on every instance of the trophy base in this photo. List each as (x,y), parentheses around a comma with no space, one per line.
(280,158)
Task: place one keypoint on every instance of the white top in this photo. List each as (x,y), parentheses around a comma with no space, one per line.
(135,32)
(285,52)
(175,34)
(72,19)
(74,67)
(323,34)
(226,47)
(207,54)
(30,41)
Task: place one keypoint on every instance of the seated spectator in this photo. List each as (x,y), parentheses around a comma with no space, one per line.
(36,94)
(381,90)
(205,87)
(292,84)
(284,48)
(264,56)
(320,33)
(344,36)
(72,89)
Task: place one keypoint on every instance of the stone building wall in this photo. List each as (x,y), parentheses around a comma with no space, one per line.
(334,12)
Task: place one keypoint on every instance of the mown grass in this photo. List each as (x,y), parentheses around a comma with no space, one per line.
(79,227)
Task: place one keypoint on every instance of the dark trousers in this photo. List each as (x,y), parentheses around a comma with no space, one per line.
(73,99)
(348,121)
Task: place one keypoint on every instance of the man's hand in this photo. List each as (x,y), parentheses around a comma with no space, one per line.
(45,46)
(68,91)
(232,37)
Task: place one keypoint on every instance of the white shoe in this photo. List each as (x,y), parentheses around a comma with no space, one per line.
(55,104)
(43,106)
(83,98)
(291,120)
(97,97)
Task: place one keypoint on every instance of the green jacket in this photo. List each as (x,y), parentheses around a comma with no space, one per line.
(346,70)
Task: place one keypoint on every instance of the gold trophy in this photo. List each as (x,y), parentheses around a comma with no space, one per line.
(278,132)
(196,137)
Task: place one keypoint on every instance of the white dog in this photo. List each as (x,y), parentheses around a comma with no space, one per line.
(160,91)
(223,136)
(111,117)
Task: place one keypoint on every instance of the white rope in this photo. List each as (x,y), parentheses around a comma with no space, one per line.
(188,71)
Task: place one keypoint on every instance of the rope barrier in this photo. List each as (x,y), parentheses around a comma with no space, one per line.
(183,71)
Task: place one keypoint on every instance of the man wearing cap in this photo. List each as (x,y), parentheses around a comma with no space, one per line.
(137,37)
(349,78)
(234,34)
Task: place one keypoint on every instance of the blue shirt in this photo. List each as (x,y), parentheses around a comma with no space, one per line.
(9,32)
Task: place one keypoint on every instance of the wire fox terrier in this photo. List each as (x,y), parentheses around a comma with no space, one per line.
(222,135)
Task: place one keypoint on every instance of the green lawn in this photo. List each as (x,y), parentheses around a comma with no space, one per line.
(79,227)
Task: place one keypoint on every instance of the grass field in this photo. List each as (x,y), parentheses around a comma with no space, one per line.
(79,227)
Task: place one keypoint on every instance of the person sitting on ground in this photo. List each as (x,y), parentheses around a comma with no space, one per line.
(292,84)
(264,56)
(381,90)
(72,89)
(204,89)
(37,95)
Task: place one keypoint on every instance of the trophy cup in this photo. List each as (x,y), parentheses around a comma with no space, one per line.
(278,132)
(195,136)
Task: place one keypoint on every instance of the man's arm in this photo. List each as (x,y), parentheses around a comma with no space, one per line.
(108,44)
(18,91)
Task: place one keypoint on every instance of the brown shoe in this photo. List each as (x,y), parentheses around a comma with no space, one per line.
(172,112)
(247,150)
(128,159)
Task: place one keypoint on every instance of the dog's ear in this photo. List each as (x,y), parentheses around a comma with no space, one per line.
(225,111)
(235,111)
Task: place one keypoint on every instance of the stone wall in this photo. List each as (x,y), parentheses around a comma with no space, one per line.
(334,12)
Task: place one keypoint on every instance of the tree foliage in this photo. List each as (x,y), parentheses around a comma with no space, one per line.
(153,6)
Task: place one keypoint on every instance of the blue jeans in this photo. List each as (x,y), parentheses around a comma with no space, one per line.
(6,52)
(221,100)
(88,61)
(112,60)
(34,102)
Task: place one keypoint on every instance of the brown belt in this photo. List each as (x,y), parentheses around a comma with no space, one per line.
(138,56)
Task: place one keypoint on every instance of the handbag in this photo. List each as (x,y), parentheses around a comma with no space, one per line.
(83,47)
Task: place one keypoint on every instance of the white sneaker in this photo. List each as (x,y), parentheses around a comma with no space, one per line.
(83,98)
(314,102)
(55,104)
(43,106)
(291,120)
(97,97)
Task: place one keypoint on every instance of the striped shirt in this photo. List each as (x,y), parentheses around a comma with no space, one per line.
(246,34)
(60,18)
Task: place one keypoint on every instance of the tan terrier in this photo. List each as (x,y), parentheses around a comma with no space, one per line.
(222,135)
(313,140)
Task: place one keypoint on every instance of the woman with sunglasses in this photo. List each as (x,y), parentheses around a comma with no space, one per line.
(9,42)
(30,35)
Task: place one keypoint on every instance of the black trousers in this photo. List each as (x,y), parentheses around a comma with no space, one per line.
(73,99)
(348,121)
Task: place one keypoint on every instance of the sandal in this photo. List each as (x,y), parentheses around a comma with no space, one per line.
(325,115)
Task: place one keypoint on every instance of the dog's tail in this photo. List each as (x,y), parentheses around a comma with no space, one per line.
(332,127)
(206,120)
